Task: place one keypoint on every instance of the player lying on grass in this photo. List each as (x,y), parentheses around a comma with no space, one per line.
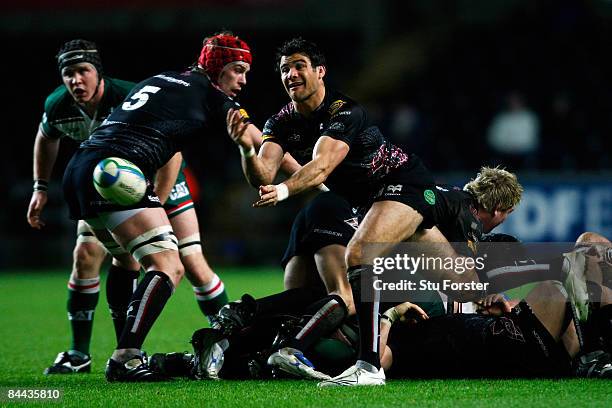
(531,337)
(75,110)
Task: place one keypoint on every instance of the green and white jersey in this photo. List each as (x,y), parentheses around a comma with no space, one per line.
(64,117)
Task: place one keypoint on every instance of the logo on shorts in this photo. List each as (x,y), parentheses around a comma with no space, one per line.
(353,222)
(394,188)
(430,197)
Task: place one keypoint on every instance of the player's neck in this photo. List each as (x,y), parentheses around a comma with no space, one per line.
(309,105)
(91,105)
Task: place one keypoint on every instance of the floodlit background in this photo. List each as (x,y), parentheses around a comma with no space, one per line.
(464,83)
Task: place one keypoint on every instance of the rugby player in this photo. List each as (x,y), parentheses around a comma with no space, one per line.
(74,110)
(331,136)
(156,120)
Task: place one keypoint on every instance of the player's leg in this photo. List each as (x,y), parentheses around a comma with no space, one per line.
(83,293)
(208,288)
(147,235)
(385,224)
(121,281)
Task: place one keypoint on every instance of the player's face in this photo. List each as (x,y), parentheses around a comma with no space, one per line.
(491,220)
(81,80)
(300,79)
(233,78)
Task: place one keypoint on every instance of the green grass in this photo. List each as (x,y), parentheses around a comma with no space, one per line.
(34,329)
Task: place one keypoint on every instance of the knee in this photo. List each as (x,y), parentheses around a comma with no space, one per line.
(354,253)
(87,260)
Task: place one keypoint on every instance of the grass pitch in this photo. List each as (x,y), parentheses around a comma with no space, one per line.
(34,328)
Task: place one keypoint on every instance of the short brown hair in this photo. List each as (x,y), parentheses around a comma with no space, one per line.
(495,189)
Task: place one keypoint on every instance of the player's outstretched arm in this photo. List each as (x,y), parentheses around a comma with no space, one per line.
(327,155)
(166,177)
(45,154)
(258,169)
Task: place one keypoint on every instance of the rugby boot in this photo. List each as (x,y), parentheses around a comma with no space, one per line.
(235,316)
(293,361)
(355,376)
(208,348)
(66,363)
(134,370)
(172,364)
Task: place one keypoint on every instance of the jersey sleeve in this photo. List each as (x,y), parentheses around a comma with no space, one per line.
(272,133)
(345,122)
(51,105)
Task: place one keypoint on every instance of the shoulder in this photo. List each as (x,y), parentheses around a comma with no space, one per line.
(56,99)
(340,104)
(118,85)
(285,115)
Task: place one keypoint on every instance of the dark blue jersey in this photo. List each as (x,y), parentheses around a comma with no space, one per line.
(370,157)
(159,117)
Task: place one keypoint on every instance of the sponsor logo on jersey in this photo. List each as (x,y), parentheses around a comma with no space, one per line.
(243,113)
(335,106)
(337,126)
(394,188)
(155,199)
(441,188)
(430,197)
(353,222)
(173,80)
(295,137)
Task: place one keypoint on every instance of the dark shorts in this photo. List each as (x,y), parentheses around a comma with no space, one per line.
(327,219)
(411,184)
(83,200)
(470,345)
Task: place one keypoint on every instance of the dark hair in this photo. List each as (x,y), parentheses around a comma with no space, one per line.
(76,51)
(301,46)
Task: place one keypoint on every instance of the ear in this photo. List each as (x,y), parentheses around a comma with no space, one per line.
(321,71)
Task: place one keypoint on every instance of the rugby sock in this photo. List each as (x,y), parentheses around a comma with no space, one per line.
(290,301)
(324,316)
(146,304)
(367,312)
(522,272)
(211,297)
(120,286)
(82,300)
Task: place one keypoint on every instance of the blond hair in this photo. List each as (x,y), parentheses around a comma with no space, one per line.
(495,189)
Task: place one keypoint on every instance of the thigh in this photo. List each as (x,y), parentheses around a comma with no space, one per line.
(185,224)
(386,224)
(301,272)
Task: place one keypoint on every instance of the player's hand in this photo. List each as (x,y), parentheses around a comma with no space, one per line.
(236,129)
(410,313)
(268,196)
(37,203)
(496,305)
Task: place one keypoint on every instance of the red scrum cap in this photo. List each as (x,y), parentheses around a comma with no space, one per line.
(220,50)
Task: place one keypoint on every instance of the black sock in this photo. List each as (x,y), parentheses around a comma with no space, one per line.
(289,301)
(120,286)
(146,304)
(322,318)
(361,278)
(82,300)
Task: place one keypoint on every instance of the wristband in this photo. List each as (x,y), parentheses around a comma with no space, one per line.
(322,187)
(41,185)
(282,192)
(391,315)
(246,153)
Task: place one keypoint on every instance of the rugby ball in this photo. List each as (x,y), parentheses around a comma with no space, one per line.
(119,181)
